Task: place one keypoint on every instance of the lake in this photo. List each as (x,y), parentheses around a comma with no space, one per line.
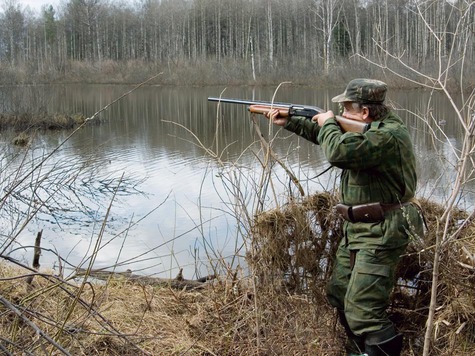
(158,182)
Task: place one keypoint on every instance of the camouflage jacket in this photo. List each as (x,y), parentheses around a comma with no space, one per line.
(378,166)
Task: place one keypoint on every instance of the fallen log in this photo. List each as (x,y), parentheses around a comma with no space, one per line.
(177,283)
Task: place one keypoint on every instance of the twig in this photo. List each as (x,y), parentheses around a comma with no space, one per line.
(89,268)
(32,325)
(274,156)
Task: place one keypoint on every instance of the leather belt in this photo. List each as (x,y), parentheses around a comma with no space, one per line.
(368,213)
(390,207)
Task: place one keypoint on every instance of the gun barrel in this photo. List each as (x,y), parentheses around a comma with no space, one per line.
(249,102)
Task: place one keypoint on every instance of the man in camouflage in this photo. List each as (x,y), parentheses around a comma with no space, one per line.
(378,183)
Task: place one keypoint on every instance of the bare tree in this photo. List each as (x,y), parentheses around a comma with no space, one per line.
(328,12)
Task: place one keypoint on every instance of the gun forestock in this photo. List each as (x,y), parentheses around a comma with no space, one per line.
(264,109)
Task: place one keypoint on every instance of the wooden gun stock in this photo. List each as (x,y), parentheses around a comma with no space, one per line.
(348,125)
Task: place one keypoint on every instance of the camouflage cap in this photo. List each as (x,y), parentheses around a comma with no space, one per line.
(366,91)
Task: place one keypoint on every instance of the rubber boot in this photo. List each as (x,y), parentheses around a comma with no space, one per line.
(384,343)
(355,345)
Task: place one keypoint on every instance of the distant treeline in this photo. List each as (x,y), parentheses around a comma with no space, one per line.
(236,38)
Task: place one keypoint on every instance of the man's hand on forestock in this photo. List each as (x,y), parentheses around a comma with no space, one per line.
(322,117)
(274,116)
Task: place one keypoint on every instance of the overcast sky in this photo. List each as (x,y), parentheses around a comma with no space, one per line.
(36,5)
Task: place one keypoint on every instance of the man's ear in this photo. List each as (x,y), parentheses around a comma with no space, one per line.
(365,112)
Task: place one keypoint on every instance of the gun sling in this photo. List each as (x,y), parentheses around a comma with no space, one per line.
(367,213)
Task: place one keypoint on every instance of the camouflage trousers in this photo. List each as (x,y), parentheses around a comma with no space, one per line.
(363,292)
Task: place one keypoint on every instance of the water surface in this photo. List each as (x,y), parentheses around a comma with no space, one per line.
(156,167)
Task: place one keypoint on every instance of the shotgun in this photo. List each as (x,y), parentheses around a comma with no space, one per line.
(287,109)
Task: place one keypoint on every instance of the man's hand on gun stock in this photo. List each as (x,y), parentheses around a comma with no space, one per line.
(322,117)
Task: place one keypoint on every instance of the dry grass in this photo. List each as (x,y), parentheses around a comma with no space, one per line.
(229,317)
(279,310)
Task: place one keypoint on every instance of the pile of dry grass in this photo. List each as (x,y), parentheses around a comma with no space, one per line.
(28,122)
(295,245)
(40,120)
(455,314)
(293,248)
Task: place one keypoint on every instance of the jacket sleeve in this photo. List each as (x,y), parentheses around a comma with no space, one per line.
(352,150)
(303,127)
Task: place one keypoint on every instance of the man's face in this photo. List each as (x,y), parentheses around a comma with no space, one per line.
(351,110)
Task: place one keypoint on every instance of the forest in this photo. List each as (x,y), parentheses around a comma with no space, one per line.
(232,41)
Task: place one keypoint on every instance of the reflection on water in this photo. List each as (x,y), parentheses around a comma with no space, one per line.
(171,197)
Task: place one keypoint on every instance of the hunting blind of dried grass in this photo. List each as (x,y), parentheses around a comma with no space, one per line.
(279,309)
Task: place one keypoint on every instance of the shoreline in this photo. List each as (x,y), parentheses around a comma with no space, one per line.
(211,74)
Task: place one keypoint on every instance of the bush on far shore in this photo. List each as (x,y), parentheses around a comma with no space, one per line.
(212,72)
